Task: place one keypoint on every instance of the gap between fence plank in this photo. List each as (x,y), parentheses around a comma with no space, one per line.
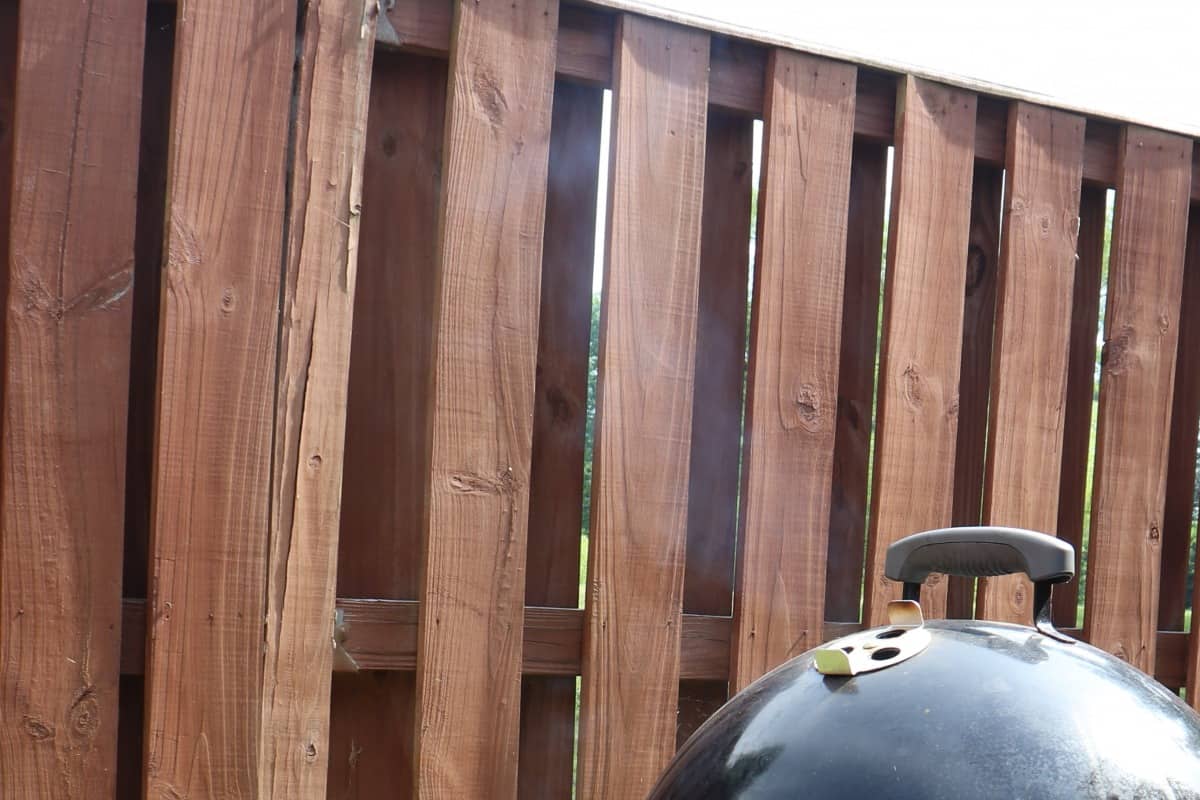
(922,330)
(1043,174)
(791,401)
(71,82)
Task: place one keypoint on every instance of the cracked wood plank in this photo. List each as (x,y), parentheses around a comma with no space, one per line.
(922,330)
(216,394)
(791,404)
(329,130)
(490,228)
(643,433)
(76,69)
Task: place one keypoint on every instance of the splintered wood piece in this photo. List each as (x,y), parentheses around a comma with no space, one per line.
(791,416)
(922,330)
(329,127)
(70,101)
(643,434)
(856,380)
(1141,322)
(1032,337)
(490,226)
(1081,376)
(547,757)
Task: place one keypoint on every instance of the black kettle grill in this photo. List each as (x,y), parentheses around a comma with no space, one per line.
(949,709)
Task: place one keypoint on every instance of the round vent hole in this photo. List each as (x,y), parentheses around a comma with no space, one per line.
(884,653)
(890,634)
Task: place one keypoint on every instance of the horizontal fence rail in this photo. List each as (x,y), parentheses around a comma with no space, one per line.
(426,401)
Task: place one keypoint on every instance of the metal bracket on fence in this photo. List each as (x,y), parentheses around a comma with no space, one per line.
(342,660)
(385,32)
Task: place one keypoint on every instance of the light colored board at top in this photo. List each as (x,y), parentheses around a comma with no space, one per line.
(66,250)
(644,409)
(779,610)
(1141,326)
(334,77)
(1031,337)
(490,227)
(922,330)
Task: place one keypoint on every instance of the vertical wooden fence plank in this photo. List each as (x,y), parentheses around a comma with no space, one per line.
(717,399)
(1189,310)
(546,766)
(325,197)
(1081,376)
(975,373)
(219,320)
(1032,337)
(383,487)
(643,435)
(791,414)
(856,381)
(1181,462)
(922,329)
(490,227)
(1145,277)
(68,275)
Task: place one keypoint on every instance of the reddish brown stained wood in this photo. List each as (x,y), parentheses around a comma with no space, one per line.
(922,330)
(643,435)
(1100,152)
(736,75)
(71,78)
(1032,337)
(791,407)
(216,385)
(1181,461)
(325,181)
(559,424)
(1138,365)
(490,226)
(875,106)
(383,488)
(979,312)
(992,129)
(856,380)
(1081,371)
(717,401)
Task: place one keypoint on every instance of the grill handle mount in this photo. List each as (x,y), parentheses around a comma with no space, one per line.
(984,551)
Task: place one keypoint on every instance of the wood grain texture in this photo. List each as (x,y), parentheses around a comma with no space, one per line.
(1032,337)
(387,455)
(325,182)
(644,399)
(547,756)
(216,387)
(1141,324)
(922,330)
(975,372)
(791,405)
(856,381)
(717,401)
(1181,460)
(490,225)
(1081,373)
(75,78)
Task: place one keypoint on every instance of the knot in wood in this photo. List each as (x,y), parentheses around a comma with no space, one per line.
(1118,354)
(85,716)
(914,387)
(35,729)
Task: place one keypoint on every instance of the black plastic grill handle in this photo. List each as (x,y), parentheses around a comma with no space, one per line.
(980,552)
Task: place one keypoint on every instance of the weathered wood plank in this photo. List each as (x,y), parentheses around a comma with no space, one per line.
(216,386)
(490,225)
(1081,375)
(1181,461)
(70,79)
(975,370)
(922,329)
(856,380)
(1032,337)
(791,407)
(325,181)
(643,435)
(547,757)
(1141,328)
(387,457)
(717,401)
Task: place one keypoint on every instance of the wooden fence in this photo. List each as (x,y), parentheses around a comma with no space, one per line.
(230,406)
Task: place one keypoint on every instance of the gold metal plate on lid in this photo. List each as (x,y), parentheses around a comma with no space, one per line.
(867,651)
